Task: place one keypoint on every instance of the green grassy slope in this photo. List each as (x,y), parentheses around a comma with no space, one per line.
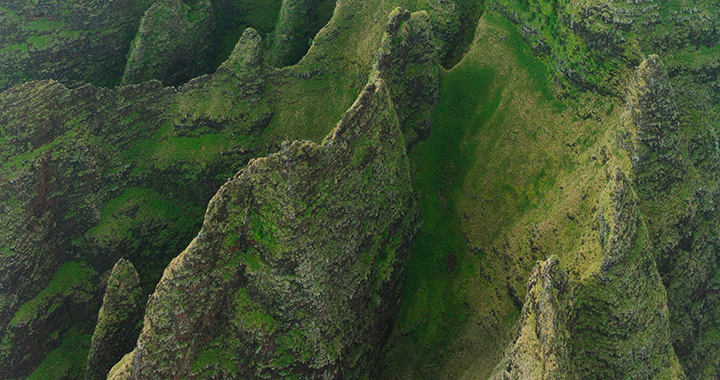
(510,174)
(501,182)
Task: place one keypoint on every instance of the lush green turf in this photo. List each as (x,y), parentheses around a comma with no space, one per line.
(501,146)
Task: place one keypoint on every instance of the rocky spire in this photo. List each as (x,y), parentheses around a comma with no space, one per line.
(298,267)
(172,44)
(118,326)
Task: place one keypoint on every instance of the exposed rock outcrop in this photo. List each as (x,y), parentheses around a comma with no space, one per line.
(118,326)
(408,62)
(611,324)
(172,44)
(299,264)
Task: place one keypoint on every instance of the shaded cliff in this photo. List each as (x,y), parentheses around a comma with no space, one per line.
(408,61)
(173,43)
(118,325)
(74,42)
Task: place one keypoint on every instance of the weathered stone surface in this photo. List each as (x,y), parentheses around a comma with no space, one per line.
(118,326)
(409,64)
(299,264)
(613,323)
(172,44)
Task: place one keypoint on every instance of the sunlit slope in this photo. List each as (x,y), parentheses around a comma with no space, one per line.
(508,176)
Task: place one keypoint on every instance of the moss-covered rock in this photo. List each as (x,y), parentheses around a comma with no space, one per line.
(299,264)
(611,324)
(540,350)
(408,62)
(292,32)
(651,123)
(172,44)
(118,325)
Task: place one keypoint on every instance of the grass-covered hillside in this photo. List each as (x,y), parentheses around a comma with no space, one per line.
(481,189)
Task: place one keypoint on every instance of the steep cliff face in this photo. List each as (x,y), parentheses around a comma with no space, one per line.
(172,44)
(299,264)
(611,324)
(541,347)
(90,175)
(292,32)
(118,325)
(678,191)
(73,42)
(620,327)
(408,61)
(82,185)
(651,122)
(58,156)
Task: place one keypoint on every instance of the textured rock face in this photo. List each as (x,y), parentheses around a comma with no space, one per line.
(172,44)
(408,62)
(652,122)
(51,196)
(540,350)
(70,41)
(299,264)
(118,326)
(613,324)
(81,185)
(620,327)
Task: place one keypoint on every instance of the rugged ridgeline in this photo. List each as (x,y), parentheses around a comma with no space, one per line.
(303,281)
(527,130)
(82,186)
(91,175)
(118,322)
(72,41)
(613,323)
(668,128)
(678,187)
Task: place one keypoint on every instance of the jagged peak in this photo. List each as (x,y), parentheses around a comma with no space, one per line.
(539,350)
(246,59)
(300,257)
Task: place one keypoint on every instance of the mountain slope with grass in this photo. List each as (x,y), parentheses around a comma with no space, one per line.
(531,254)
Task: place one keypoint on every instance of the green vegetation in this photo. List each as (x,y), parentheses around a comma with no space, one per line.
(525,135)
(70,277)
(496,154)
(66,361)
